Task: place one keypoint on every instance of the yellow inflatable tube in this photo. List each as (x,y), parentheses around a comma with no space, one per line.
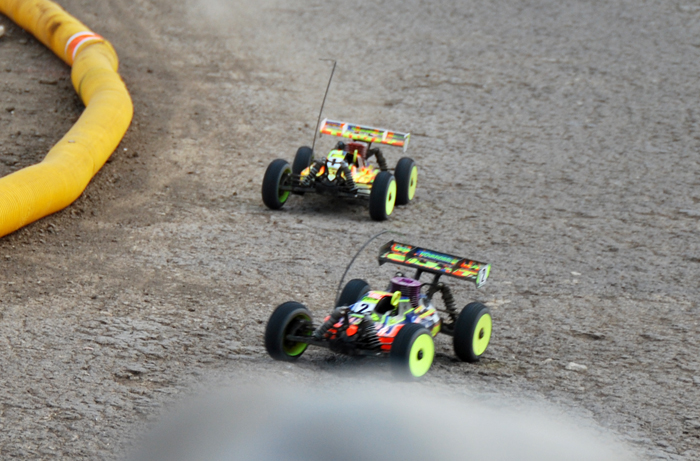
(54,183)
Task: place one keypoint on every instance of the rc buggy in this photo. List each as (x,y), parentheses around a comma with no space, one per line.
(346,171)
(399,322)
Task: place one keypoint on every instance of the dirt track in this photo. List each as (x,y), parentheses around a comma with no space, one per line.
(557,141)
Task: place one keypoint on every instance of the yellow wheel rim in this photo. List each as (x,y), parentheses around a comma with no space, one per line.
(391,197)
(422,355)
(482,334)
(413,183)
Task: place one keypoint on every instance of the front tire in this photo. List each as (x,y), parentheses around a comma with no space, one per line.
(382,197)
(406,173)
(412,352)
(277,174)
(472,332)
(302,160)
(289,318)
(352,292)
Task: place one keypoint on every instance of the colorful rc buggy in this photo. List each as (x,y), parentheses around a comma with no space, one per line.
(399,322)
(346,171)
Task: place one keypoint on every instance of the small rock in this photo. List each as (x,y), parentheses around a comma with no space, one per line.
(23,41)
(2,31)
(135,369)
(573,366)
(575,274)
(233,345)
(696,380)
(695,424)
(652,337)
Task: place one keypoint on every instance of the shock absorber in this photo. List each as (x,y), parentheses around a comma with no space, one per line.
(332,320)
(447,296)
(370,334)
(313,171)
(349,182)
(381,161)
(450,306)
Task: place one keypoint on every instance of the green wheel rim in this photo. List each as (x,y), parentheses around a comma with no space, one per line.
(422,355)
(391,197)
(482,334)
(283,195)
(413,183)
(293,348)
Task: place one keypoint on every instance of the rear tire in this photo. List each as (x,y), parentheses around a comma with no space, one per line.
(277,173)
(412,352)
(382,197)
(406,173)
(302,160)
(286,319)
(472,332)
(352,292)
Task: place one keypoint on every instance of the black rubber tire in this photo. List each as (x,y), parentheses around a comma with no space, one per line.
(352,292)
(283,321)
(401,349)
(302,160)
(403,172)
(381,194)
(275,174)
(465,331)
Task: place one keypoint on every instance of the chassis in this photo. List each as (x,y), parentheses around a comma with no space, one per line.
(346,171)
(399,322)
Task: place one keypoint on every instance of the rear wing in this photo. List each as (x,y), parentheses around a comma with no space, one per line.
(365,133)
(434,262)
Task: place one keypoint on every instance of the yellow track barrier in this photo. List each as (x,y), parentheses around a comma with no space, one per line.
(58,180)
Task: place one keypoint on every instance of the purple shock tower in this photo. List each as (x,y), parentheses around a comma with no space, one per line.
(408,287)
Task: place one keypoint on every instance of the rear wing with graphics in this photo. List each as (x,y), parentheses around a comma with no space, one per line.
(365,133)
(434,262)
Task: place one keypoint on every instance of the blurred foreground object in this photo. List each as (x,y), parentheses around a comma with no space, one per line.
(367,420)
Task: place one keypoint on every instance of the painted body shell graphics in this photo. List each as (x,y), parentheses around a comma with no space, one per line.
(388,318)
(362,174)
(334,161)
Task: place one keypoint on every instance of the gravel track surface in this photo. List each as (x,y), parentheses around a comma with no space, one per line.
(557,140)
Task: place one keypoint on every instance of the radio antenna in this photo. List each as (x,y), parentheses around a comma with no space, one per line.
(318,122)
(340,284)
